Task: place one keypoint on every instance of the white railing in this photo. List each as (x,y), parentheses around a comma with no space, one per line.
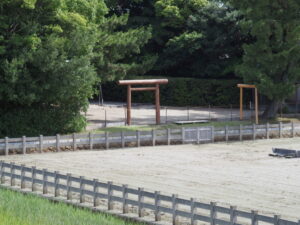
(122,198)
(155,137)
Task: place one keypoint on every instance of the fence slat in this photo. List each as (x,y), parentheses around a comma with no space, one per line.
(157,204)
(24,145)
(125,196)
(6,146)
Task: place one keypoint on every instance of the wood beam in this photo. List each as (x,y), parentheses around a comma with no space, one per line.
(136,82)
(246,86)
(128,104)
(144,89)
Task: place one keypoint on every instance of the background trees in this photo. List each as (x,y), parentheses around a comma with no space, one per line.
(272,61)
(52,52)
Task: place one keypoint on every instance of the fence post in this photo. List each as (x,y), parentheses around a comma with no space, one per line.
(69,184)
(91,140)
(57,143)
(213,213)
(95,190)
(56,183)
(254,131)
(81,187)
(198,135)
(268,130)
(122,139)
(125,196)
(157,204)
(12,174)
(192,211)
(169,136)
(241,132)
(138,138)
(33,177)
(280,130)
(45,180)
(233,217)
(22,176)
(24,145)
(153,137)
(254,220)
(293,129)
(182,135)
(2,178)
(6,146)
(109,195)
(74,142)
(174,208)
(140,201)
(276,220)
(226,133)
(212,134)
(106,140)
(41,143)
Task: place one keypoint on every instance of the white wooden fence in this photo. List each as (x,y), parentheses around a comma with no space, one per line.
(169,136)
(122,198)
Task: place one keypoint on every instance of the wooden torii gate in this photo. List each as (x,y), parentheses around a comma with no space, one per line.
(242,86)
(155,82)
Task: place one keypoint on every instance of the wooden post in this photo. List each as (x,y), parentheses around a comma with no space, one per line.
(254,220)
(45,180)
(106,140)
(109,195)
(241,132)
(129,105)
(256,106)
(153,137)
(233,217)
(140,202)
(33,177)
(212,134)
(41,143)
(91,140)
(280,130)
(82,186)
(12,174)
(122,139)
(22,176)
(168,136)
(69,184)
(138,138)
(241,103)
(157,104)
(57,143)
(2,177)
(6,146)
(124,197)
(213,213)
(268,130)
(226,133)
(24,145)
(74,142)
(276,220)
(95,190)
(192,211)
(56,183)
(254,131)
(293,129)
(174,208)
(157,204)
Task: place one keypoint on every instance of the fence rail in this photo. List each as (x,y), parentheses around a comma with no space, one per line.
(123,198)
(154,137)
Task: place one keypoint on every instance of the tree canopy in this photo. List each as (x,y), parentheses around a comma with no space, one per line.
(52,52)
(272,61)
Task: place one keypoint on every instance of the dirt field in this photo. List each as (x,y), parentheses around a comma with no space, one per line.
(240,174)
(145,114)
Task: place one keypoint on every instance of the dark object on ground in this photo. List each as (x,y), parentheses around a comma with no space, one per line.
(286,153)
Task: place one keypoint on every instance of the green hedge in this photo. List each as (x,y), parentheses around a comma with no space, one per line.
(182,92)
(34,121)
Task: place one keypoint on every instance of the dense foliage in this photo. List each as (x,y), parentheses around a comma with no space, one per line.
(52,52)
(272,62)
(183,92)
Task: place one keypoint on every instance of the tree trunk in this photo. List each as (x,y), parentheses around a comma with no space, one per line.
(271,110)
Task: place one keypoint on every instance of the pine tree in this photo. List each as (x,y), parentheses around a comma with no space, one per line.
(272,62)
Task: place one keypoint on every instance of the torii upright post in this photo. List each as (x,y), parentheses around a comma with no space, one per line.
(155,82)
(241,86)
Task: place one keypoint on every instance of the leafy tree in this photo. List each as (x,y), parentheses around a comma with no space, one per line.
(272,62)
(52,52)
(211,46)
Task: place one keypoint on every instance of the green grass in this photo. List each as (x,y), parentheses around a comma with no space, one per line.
(165,126)
(19,209)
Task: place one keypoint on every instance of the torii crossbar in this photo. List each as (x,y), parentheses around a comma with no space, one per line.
(155,82)
(242,86)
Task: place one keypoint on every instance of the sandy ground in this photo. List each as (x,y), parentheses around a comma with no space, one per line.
(240,174)
(145,114)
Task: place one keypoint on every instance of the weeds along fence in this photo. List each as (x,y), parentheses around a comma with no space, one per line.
(123,199)
(182,135)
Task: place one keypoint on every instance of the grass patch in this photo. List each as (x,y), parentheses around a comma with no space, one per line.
(19,209)
(174,126)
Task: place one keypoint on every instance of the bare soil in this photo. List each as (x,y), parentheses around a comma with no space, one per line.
(240,173)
